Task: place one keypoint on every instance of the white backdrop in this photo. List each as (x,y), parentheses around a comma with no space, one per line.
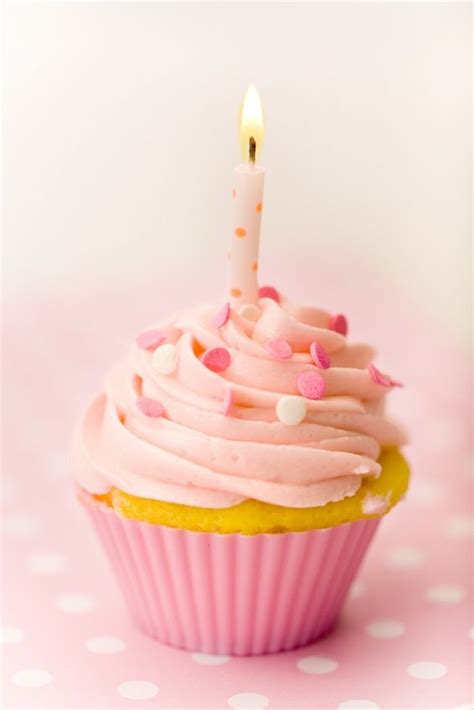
(120,128)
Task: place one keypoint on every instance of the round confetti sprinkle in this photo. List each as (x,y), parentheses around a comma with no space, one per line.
(248,701)
(280,349)
(165,359)
(151,339)
(269,292)
(311,385)
(137,690)
(216,359)
(317,665)
(427,670)
(385,629)
(75,603)
(228,403)
(208,659)
(10,634)
(32,678)
(240,232)
(338,323)
(105,644)
(445,594)
(250,312)
(150,407)
(291,410)
(222,316)
(320,357)
(235,292)
(378,377)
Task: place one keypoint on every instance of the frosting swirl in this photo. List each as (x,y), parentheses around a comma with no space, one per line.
(196,455)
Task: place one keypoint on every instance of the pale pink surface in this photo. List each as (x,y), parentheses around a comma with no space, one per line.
(57,350)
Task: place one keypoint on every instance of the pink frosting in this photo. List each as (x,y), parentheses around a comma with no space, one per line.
(196,455)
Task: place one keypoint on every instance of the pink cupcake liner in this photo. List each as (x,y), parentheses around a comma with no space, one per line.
(231,594)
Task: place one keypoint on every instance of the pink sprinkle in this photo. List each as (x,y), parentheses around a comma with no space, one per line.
(380,379)
(320,356)
(150,407)
(222,316)
(338,322)
(269,292)
(280,349)
(228,403)
(150,339)
(311,385)
(216,359)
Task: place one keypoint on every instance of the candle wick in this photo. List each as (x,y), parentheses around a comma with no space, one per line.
(252,149)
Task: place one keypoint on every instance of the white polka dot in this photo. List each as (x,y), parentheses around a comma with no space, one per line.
(427,670)
(317,665)
(358,705)
(445,594)
(468,706)
(460,527)
(165,359)
(358,589)
(75,603)
(385,629)
(471,633)
(9,491)
(137,690)
(10,634)
(425,493)
(49,563)
(20,525)
(105,644)
(32,678)
(248,701)
(404,557)
(291,410)
(208,659)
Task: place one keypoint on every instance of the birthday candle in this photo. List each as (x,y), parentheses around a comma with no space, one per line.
(248,204)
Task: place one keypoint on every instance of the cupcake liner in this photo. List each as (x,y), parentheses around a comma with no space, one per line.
(231,594)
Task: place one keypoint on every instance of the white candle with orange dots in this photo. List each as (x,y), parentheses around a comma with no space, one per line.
(248,203)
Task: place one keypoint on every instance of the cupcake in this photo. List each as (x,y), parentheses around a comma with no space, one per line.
(236,467)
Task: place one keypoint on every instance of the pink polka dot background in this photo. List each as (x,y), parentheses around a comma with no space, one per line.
(405,639)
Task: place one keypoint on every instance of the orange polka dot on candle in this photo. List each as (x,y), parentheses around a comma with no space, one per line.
(235,292)
(240,232)
(255,266)
(259,207)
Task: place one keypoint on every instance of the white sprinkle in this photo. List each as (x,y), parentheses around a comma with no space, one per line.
(75,603)
(248,701)
(32,678)
(291,410)
(445,594)
(137,690)
(385,629)
(317,665)
(105,644)
(165,359)
(405,558)
(48,563)
(461,527)
(375,505)
(10,634)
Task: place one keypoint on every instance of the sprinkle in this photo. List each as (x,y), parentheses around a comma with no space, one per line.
(222,316)
(228,403)
(165,359)
(269,292)
(338,322)
(291,410)
(150,407)
(150,339)
(254,266)
(216,359)
(235,292)
(375,505)
(320,356)
(240,232)
(378,377)
(250,312)
(311,384)
(258,207)
(280,349)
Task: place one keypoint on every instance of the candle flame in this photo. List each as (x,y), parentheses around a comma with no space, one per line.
(251,122)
